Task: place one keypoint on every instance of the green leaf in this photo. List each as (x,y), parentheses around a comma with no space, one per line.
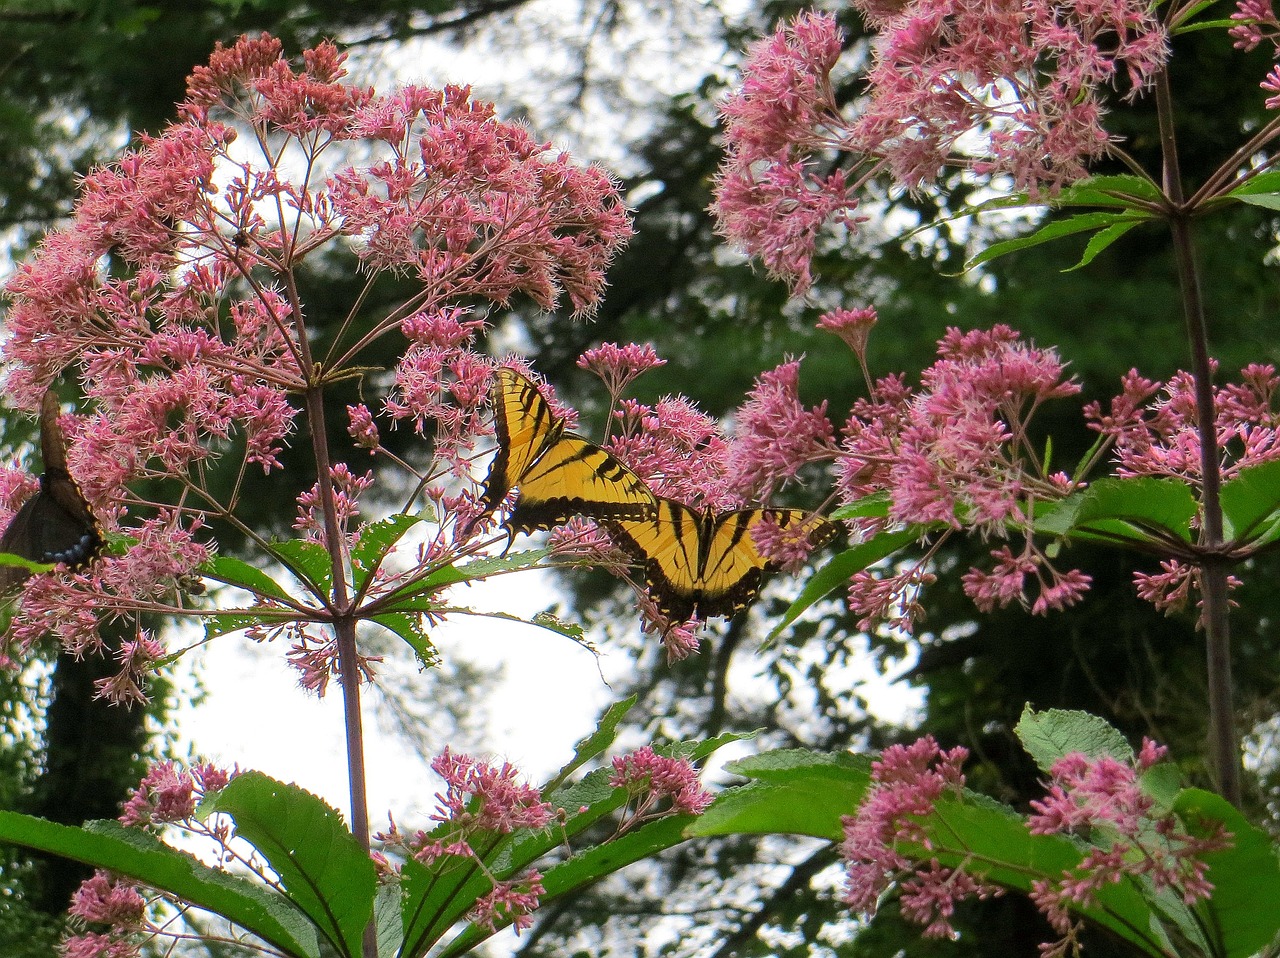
(324,870)
(838,571)
(140,856)
(1268,182)
(1118,190)
(1124,510)
(376,539)
(387,918)
(1245,907)
(237,572)
(596,743)
(1100,241)
(793,792)
(1055,230)
(1269,201)
(875,506)
(408,626)
(309,561)
(1250,498)
(1050,735)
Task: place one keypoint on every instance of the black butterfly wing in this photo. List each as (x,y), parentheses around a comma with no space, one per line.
(55,525)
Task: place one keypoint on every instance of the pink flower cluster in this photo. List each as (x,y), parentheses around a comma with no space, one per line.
(1013,88)
(1102,798)
(955,452)
(168,793)
(106,900)
(482,803)
(907,781)
(651,778)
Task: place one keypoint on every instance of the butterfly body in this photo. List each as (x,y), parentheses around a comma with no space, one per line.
(703,562)
(56,524)
(557,473)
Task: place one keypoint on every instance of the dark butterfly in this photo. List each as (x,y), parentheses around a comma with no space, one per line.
(55,525)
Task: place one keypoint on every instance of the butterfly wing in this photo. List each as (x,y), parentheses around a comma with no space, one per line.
(55,525)
(558,474)
(703,563)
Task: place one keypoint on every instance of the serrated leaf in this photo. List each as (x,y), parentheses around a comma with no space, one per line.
(589,867)
(408,626)
(309,561)
(142,857)
(1268,201)
(1249,498)
(376,539)
(841,567)
(1129,510)
(324,870)
(1050,735)
(1100,241)
(483,568)
(237,572)
(1120,189)
(387,918)
(1245,907)
(1055,230)
(793,792)
(225,623)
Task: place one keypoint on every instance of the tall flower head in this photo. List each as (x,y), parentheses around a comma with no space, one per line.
(177,297)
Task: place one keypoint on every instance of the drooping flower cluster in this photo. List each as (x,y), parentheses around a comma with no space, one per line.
(907,782)
(1011,88)
(173,296)
(1103,798)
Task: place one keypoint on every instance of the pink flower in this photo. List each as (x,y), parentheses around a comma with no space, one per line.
(618,365)
(99,946)
(651,777)
(107,900)
(503,805)
(512,901)
(775,435)
(906,784)
(1103,798)
(169,794)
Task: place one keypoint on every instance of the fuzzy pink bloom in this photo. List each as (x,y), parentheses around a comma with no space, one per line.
(194,351)
(852,325)
(512,901)
(99,946)
(107,900)
(679,451)
(618,365)
(775,435)
(1013,89)
(1102,798)
(906,784)
(504,804)
(651,777)
(170,794)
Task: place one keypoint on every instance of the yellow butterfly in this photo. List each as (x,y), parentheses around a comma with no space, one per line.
(557,474)
(705,562)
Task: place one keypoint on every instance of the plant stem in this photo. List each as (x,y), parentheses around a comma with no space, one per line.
(1223,748)
(344,626)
